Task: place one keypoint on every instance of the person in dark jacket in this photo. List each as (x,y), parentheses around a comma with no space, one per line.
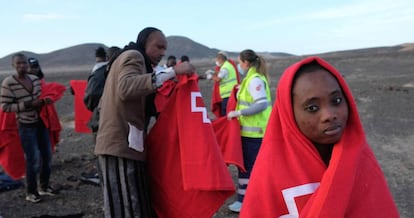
(93,93)
(96,83)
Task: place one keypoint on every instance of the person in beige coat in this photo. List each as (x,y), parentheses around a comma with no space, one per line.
(127,104)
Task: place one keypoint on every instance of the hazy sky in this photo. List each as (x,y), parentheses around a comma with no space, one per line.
(297,27)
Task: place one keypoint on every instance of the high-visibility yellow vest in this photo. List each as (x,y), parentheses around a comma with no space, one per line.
(253,126)
(226,84)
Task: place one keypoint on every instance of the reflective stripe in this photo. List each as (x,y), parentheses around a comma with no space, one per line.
(227,81)
(244,103)
(251,129)
(243,181)
(261,99)
(241,191)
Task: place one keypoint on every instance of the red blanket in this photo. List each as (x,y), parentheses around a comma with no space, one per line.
(82,114)
(11,152)
(163,94)
(48,114)
(228,135)
(289,177)
(187,172)
(215,95)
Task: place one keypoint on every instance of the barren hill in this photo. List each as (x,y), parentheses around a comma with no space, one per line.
(81,57)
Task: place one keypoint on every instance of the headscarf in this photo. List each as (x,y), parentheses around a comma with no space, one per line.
(290,178)
(140,46)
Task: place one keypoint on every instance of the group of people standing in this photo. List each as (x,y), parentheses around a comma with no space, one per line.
(304,156)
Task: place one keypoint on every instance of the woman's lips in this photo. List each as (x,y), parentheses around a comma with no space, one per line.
(333,130)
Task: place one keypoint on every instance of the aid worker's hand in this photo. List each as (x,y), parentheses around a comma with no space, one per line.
(233,114)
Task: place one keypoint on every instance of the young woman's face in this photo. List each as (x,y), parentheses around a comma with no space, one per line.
(320,107)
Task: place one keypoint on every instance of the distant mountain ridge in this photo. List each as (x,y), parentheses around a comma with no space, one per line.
(83,56)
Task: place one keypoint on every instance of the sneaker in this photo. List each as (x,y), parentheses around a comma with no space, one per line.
(235,207)
(34,198)
(47,191)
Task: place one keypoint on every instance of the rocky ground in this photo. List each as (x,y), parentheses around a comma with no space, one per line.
(382,84)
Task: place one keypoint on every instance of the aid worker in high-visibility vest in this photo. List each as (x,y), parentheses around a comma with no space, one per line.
(253,111)
(227,79)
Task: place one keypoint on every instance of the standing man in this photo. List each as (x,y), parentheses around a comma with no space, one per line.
(126,107)
(93,93)
(20,93)
(226,77)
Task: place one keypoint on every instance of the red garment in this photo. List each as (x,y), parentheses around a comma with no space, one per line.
(188,175)
(48,114)
(290,178)
(11,151)
(228,135)
(215,96)
(163,94)
(227,131)
(82,114)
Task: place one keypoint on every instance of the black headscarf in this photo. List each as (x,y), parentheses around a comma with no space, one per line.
(141,41)
(139,46)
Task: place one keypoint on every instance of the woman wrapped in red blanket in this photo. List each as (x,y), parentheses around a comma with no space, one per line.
(315,160)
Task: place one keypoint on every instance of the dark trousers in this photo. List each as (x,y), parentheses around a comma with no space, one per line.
(125,187)
(250,148)
(223,111)
(38,155)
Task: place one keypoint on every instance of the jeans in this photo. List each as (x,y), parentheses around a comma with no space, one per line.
(38,155)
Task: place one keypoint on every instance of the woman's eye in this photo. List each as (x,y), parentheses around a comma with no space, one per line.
(311,108)
(337,100)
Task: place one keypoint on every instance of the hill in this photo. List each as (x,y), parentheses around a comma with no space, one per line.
(79,56)
(82,56)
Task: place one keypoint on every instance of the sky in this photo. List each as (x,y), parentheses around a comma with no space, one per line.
(296,27)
